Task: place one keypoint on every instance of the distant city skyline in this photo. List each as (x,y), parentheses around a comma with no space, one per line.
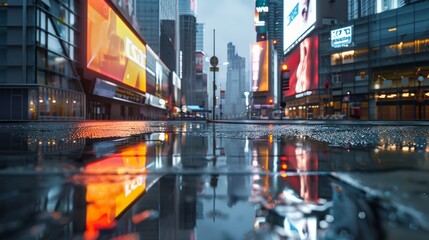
(233,22)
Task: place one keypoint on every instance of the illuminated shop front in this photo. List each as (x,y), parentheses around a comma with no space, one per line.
(372,68)
(379,69)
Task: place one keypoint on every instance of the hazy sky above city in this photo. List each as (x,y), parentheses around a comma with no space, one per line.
(233,22)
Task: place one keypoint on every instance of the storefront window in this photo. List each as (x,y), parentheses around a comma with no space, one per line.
(32,104)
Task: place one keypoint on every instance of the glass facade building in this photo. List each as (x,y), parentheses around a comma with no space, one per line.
(69,60)
(39,47)
(200,37)
(382,74)
(188,29)
(158,21)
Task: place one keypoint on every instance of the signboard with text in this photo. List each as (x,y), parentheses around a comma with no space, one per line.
(113,50)
(341,37)
(298,17)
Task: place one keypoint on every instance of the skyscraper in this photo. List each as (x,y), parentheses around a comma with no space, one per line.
(201,76)
(269,23)
(200,37)
(158,22)
(39,76)
(188,21)
(235,83)
(275,25)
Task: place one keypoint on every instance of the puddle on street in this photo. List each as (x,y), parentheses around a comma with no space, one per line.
(195,180)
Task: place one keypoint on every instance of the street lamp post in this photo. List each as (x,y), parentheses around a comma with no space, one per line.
(214,62)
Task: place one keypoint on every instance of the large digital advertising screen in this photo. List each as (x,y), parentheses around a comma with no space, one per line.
(303,64)
(259,66)
(299,16)
(112,48)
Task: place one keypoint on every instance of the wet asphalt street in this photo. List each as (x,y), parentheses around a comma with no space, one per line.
(199,180)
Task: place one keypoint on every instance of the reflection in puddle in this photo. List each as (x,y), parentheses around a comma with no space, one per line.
(193,180)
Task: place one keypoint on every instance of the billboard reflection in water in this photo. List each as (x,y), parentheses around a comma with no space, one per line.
(112,48)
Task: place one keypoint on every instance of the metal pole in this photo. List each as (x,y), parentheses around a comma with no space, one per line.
(214,77)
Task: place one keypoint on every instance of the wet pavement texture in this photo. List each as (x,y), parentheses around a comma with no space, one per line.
(198,180)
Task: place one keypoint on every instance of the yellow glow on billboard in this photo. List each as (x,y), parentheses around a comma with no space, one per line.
(112,48)
(259,66)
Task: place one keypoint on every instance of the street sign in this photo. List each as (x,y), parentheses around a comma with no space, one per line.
(214,61)
(214,69)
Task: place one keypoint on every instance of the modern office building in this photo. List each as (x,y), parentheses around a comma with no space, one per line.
(187,12)
(374,67)
(39,48)
(148,15)
(384,68)
(275,25)
(158,21)
(260,19)
(200,37)
(362,8)
(300,89)
(71,60)
(236,84)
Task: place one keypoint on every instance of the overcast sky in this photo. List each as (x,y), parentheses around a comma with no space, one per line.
(233,21)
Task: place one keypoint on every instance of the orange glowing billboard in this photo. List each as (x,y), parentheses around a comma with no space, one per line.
(112,48)
(259,66)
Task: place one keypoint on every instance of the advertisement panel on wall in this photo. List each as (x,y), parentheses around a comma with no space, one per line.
(259,66)
(298,16)
(303,64)
(113,49)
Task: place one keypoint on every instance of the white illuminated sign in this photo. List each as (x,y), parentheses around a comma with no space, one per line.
(303,94)
(256,52)
(133,184)
(299,18)
(341,37)
(262,9)
(134,53)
